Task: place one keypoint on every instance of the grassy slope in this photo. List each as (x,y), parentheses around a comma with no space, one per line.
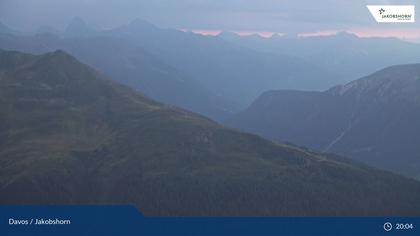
(67,135)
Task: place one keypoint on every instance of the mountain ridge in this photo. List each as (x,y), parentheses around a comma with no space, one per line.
(133,66)
(372,119)
(70,136)
(367,54)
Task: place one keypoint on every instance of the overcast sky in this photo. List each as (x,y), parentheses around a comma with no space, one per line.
(285,16)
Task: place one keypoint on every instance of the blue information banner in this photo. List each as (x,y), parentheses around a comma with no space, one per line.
(127,220)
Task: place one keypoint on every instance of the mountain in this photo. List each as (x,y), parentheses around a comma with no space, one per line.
(218,77)
(68,135)
(137,68)
(229,36)
(131,65)
(47,30)
(234,72)
(375,119)
(6,30)
(79,28)
(340,53)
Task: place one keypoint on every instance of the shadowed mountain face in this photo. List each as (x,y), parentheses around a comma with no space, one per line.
(69,136)
(204,74)
(4,29)
(375,119)
(344,54)
(235,72)
(78,28)
(131,65)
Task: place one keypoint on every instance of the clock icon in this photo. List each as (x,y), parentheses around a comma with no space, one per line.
(387,226)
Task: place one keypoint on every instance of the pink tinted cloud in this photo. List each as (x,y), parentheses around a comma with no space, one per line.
(407,34)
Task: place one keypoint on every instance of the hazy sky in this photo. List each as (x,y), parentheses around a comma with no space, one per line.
(286,16)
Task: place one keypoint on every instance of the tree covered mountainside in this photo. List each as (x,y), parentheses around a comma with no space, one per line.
(375,119)
(68,135)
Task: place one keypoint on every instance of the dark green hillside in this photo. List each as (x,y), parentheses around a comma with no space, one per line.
(375,119)
(69,136)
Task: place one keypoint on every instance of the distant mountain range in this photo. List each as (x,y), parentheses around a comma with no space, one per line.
(235,72)
(68,135)
(212,69)
(133,66)
(214,76)
(375,119)
(345,54)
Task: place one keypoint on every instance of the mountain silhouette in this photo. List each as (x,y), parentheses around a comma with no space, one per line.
(374,119)
(69,135)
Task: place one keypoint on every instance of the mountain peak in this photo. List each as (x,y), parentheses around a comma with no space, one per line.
(374,119)
(347,35)
(228,35)
(140,23)
(136,26)
(98,135)
(78,28)
(278,36)
(61,53)
(77,21)
(4,29)
(391,83)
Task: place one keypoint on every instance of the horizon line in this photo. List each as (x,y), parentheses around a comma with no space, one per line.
(403,34)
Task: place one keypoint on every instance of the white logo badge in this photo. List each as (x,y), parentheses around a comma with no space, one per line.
(392,13)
